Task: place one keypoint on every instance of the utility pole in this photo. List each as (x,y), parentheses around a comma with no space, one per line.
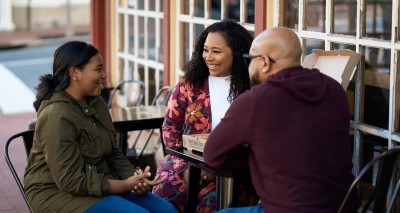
(69,30)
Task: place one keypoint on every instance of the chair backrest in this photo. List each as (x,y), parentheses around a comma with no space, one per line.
(131,91)
(27,138)
(162,96)
(387,163)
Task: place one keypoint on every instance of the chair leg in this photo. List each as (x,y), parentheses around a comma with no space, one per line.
(393,197)
(369,201)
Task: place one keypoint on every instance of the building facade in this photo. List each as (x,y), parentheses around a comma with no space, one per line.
(152,40)
(38,15)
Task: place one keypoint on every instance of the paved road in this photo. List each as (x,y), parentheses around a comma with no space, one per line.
(20,70)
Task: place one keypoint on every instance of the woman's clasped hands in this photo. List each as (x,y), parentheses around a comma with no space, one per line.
(139,182)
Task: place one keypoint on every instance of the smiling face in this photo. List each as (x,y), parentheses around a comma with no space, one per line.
(217,55)
(88,81)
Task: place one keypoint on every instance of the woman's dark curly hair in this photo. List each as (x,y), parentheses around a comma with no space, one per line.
(239,40)
(71,54)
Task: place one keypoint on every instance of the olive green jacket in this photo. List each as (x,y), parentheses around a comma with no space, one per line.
(74,153)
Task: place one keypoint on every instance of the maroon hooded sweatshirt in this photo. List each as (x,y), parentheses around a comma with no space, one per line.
(296,126)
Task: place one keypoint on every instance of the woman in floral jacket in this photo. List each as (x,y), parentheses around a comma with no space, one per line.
(215,75)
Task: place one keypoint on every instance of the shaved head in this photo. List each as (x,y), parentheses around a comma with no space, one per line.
(280,48)
(282,44)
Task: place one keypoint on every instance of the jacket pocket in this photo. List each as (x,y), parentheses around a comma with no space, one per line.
(89,143)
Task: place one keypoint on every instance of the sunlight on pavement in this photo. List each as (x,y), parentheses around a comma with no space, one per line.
(15,96)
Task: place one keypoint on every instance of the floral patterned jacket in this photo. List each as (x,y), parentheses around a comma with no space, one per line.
(188,112)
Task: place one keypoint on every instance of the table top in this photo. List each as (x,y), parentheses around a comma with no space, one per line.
(120,114)
(196,159)
(137,117)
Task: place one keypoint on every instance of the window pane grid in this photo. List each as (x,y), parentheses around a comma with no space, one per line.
(372,28)
(140,45)
(396,137)
(366,128)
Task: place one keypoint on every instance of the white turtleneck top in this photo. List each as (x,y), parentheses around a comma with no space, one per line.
(219,91)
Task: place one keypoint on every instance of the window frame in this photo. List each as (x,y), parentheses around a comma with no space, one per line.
(360,41)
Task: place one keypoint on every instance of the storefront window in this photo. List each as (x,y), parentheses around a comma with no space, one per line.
(234,10)
(290,13)
(152,5)
(140,4)
(377,85)
(338,46)
(379,19)
(371,92)
(160,46)
(139,41)
(186,45)
(216,9)
(344,21)
(315,18)
(199,8)
(121,31)
(312,44)
(131,40)
(151,39)
(142,37)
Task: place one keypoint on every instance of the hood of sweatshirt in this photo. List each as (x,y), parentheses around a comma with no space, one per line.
(306,84)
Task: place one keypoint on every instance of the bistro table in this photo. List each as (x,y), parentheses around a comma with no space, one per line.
(227,189)
(135,118)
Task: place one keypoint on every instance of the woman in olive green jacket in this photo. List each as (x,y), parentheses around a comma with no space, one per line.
(74,164)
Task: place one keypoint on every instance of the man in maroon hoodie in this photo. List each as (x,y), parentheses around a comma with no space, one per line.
(295,123)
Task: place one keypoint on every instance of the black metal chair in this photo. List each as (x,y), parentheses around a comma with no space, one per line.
(27,138)
(395,194)
(387,164)
(146,156)
(161,98)
(131,90)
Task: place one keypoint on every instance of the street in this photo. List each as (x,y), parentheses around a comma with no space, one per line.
(20,70)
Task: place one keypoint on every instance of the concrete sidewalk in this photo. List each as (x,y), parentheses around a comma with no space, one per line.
(16,39)
(11,200)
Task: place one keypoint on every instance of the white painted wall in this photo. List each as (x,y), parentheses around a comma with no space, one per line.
(49,14)
(47,3)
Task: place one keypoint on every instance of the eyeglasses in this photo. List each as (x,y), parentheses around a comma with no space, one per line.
(248,57)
